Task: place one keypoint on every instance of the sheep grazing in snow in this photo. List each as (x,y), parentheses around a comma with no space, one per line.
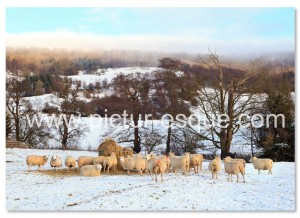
(233,167)
(157,165)
(237,159)
(140,164)
(70,162)
(215,166)
(90,170)
(128,163)
(99,160)
(196,162)
(34,160)
(110,161)
(56,162)
(85,160)
(262,164)
(180,162)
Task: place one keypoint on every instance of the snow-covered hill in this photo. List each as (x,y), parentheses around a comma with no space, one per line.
(37,191)
(109,73)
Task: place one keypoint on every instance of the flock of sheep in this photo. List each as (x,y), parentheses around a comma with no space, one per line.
(151,164)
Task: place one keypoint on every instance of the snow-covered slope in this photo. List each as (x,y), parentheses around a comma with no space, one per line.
(36,191)
(109,73)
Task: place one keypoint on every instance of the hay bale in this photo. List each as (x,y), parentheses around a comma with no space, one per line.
(109,145)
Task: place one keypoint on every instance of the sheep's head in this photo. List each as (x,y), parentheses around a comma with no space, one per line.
(148,156)
(187,154)
(113,154)
(54,157)
(45,158)
(253,158)
(98,167)
(122,158)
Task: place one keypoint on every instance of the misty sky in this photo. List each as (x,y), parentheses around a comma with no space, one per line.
(228,30)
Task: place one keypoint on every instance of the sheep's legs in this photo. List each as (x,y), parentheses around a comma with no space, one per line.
(28,168)
(228,177)
(270,172)
(244,177)
(237,178)
(258,171)
(161,177)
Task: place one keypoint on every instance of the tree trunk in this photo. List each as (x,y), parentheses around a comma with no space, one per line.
(64,137)
(169,139)
(17,129)
(137,143)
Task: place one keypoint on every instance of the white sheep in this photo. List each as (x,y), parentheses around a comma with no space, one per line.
(215,166)
(99,160)
(85,160)
(90,170)
(140,164)
(157,165)
(234,167)
(56,162)
(180,162)
(196,162)
(70,162)
(34,160)
(110,161)
(128,163)
(262,164)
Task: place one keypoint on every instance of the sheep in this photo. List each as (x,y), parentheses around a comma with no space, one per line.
(34,160)
(262,164)
(237,159)
(128,163)
(157,165)
(160,167)
(110,162)
(140,164)
(195,162)
(99,160)
(56,162)
(215,166)
(168,162)
(234,167)
(180,162)
(90,170)
(85,160)
(70,162)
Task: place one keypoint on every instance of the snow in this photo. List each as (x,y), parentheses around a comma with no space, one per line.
(36,191)
(109,74)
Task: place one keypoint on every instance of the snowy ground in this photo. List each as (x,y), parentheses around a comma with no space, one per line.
(36,191)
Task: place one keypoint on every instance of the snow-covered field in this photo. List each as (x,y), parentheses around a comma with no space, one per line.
(37,191)
(109,74)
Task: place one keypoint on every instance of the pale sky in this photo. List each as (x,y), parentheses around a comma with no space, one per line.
(228,30)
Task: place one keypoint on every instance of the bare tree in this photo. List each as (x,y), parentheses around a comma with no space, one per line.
(225,101)
(19,109)
(70,130)
(174,90)
(134,88)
